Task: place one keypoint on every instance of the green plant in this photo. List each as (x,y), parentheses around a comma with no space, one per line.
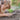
(13,3)
(19,4)
(10,10)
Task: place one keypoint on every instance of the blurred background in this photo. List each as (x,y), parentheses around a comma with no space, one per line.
(9,9)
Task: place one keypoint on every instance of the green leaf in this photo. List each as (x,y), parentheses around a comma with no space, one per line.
(10,10)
